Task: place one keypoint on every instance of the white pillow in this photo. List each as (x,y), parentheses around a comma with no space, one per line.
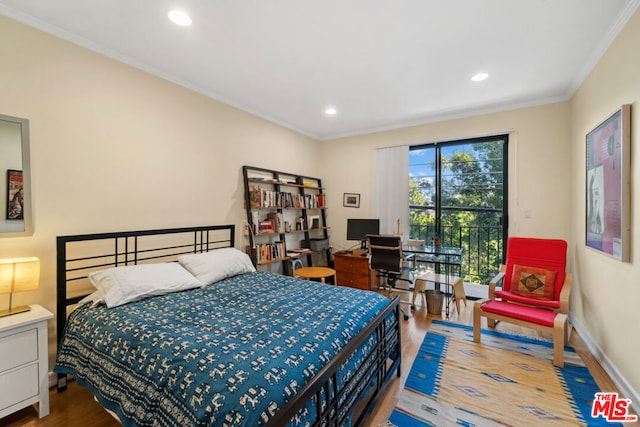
(95,299)
(121,285)
(211,267)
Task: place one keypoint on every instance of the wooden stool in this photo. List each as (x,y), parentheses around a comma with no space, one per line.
(456,283)
(419,286)
(315,273)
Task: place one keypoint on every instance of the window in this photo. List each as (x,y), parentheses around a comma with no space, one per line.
(458,189)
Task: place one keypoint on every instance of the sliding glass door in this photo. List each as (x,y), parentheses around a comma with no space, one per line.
(458,191)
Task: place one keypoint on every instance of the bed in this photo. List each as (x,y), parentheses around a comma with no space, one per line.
(252,348)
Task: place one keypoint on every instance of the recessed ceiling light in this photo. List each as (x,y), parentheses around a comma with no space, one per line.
(330,111)
(479,77)
(180,18)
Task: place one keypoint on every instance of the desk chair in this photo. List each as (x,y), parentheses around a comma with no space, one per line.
(385,256)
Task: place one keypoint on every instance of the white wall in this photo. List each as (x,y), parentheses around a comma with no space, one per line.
(546,177)
(607,292)
(539,149)
(114,148)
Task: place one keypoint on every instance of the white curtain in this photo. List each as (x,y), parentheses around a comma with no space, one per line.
(392,189)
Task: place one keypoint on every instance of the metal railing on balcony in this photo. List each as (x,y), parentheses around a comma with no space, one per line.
(483,248)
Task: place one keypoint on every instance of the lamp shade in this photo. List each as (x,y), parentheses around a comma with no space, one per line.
(19,274)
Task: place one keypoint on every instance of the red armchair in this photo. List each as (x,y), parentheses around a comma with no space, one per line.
(535,291)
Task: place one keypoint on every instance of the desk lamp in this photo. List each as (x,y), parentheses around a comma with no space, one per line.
(18,275)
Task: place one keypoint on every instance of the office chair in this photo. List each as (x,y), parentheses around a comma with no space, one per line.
(385,256)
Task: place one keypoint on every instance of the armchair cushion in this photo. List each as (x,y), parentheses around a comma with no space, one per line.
(533,282)
(521,312)
(510,296)
(549,254)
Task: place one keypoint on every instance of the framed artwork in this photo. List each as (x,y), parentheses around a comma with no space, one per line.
(15,191)
(608,185)
(351,200)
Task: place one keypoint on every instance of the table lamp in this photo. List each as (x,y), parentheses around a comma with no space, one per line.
(18,275)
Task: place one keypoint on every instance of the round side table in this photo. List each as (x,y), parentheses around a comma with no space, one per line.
(315,273)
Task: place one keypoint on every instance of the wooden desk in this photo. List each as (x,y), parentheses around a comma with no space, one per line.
(352,270)
(316,273)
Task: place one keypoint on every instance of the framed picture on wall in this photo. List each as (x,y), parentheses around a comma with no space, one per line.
(608,185)
(15,191)
(351,200)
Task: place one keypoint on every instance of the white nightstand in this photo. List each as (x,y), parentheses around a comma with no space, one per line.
(24,361)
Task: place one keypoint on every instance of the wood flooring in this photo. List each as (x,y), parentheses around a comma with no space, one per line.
(76,406)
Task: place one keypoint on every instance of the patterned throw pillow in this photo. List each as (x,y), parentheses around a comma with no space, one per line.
(533,282)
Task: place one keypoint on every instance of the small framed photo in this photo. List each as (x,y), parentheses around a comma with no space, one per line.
(15,206)
(351,200)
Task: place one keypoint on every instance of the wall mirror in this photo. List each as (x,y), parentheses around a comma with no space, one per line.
(15,177)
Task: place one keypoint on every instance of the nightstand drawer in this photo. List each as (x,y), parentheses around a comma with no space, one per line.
(354,280)
(24,363)
(18,385)
(18,349)
(352,270)
(351,263)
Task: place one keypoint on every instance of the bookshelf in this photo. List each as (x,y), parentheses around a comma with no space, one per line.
(286,217)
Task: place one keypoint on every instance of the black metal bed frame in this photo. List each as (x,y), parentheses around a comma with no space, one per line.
(334,405)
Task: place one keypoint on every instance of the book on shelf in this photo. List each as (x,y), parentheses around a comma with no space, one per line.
(266,226)
(298,252)
(267,252)
(295,254)
(263,198)
(278,221)
(254,197)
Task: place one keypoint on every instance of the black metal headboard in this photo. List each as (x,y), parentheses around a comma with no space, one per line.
(79,255)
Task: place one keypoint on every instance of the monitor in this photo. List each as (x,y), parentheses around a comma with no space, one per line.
(358,228)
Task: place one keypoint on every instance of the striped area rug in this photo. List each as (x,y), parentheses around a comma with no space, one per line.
(507,380)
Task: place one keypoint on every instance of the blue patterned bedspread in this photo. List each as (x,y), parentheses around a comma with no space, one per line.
(230,354)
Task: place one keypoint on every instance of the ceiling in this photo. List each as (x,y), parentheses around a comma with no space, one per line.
(382,64)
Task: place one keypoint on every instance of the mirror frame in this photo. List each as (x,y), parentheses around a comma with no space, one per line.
(26,177)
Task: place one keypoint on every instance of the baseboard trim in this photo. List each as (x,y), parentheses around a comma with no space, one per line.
(623,386)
